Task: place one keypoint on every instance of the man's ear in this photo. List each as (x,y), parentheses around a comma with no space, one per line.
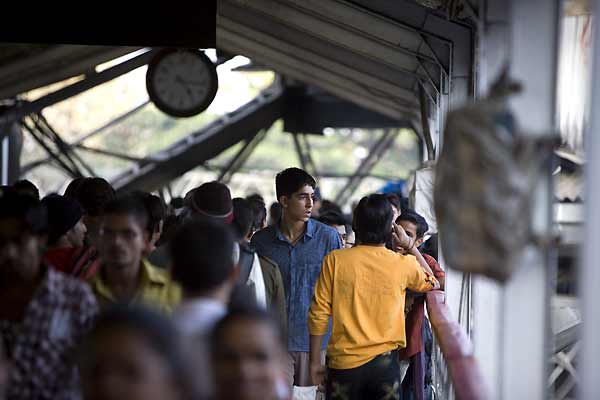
(419,242)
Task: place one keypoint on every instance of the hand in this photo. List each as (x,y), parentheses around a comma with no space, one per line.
(317,374)
(401,242)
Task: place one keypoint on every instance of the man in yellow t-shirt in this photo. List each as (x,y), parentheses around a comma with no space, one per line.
(362,289)
(124,275)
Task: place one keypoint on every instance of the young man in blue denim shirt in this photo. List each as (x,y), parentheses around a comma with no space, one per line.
(298,245)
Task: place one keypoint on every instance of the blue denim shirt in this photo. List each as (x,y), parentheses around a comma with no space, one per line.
(300,266)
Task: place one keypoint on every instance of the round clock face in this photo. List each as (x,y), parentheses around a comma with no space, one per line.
(181,83)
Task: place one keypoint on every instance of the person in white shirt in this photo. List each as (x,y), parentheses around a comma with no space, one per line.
(202,262)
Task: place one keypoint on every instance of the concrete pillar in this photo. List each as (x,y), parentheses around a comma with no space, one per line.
(511,322)
(11,143)
(589,273)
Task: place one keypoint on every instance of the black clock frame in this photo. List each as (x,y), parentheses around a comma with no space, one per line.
(155,98)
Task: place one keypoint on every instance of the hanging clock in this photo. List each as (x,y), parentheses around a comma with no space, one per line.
(181,83)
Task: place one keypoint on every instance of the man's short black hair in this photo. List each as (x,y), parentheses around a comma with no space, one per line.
(395,200)
(332,218)
(259,211)
(94,194)
(417,219)
(201,254)
(373,220)
(74,187)
(242,217)
(31,212)
(275,212)
(290,180)
(27,187)
(328,205)
(155,207)
(129,204)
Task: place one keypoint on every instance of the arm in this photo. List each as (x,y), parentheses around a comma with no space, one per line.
(318,319)
(279,299)
(442,282)
(423,264)
(401,241)
(317,371)
(438,271)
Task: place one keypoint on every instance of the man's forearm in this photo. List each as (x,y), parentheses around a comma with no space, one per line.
(415,252)
(315,349)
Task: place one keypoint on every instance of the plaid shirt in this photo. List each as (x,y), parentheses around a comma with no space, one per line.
(42,346)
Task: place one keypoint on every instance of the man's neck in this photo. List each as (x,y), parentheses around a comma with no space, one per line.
(292,229)
(122,280)
(221,294)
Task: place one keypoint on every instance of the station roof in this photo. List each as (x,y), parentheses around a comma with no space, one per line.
(386,57)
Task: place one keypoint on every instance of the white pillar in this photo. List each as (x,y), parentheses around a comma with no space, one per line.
(589,272)
(511,322)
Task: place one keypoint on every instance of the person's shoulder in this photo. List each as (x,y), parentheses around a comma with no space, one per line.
(429,259)
(433,264)
(404,258)
(264,235)
(65,282)
(324,230)
(318,226)
(70,287)
(266,262)
(155,273)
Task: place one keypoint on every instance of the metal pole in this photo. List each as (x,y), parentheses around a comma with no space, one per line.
(589,273)
(5,163)
(375,153)
(526,302)
(298,147)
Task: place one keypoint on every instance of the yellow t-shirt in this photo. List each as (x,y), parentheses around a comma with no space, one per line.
(363,290)
(156,289)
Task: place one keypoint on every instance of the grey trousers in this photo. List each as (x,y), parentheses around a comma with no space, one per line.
(297,368)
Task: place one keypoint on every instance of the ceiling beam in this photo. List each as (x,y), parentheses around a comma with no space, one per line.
(54,65)
(340,34)
(307,73)
(339,67)
(91,81)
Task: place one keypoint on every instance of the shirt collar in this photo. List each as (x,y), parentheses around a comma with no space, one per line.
(199,315)
(150,275)
(309,232)
(311,227)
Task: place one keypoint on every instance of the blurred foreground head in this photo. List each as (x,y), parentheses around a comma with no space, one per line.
(134,353)
(23,228)
(248,356)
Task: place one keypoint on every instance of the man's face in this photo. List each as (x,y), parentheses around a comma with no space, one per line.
(76,235)
(20,251)
(123,365)
(122,241)
(298,206)
(411,231)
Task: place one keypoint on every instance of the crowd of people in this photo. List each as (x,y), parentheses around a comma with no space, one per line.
(105,295)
